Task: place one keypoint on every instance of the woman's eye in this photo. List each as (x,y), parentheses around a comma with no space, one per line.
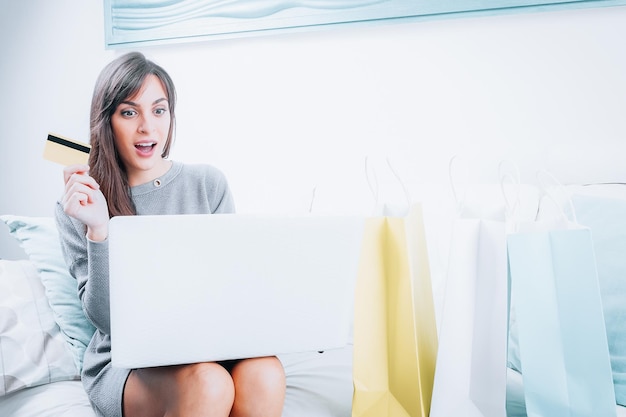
(128,113)
(160,111)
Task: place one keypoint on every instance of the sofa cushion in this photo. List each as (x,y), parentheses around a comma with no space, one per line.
(606,217)
(39,238)
(32,350)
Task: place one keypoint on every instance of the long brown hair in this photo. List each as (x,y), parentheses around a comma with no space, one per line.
(118,81)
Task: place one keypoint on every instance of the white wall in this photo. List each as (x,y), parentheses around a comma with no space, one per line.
(285,113)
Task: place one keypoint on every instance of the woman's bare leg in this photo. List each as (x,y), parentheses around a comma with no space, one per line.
(259,387)
(203,389)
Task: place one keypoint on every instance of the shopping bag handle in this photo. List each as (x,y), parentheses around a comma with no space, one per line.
(453,187)
(312,199)
(509,175)
(544,177)
(372,182)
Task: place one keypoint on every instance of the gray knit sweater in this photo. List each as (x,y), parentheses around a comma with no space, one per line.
(184,189)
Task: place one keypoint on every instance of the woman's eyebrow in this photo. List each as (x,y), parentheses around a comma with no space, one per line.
(132,103)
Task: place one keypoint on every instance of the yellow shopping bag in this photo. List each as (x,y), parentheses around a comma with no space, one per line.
(395,334)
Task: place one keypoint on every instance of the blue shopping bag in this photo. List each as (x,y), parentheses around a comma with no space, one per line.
(562,339)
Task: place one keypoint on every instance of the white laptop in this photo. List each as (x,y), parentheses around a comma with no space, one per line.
(194,288)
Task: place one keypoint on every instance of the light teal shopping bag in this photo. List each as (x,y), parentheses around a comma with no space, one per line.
(562,339)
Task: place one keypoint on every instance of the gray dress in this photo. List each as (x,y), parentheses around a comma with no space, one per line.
(184,189)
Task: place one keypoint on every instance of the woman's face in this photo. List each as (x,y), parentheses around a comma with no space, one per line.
(140,127)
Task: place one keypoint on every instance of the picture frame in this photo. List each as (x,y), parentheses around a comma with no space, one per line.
(149,22)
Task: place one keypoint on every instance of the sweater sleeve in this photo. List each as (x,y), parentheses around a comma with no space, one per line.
(220,197)
(88,263)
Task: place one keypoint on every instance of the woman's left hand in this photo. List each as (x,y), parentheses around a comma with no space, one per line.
(84,201)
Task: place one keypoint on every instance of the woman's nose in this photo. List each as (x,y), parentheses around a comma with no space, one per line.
(145,125)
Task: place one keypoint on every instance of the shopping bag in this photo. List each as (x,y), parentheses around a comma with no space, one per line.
(395,334)
(470,377)
(562,340)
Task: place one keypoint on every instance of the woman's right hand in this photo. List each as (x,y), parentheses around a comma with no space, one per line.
(84,201)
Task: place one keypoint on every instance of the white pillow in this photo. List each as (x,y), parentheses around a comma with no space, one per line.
(39,238)
(32,348)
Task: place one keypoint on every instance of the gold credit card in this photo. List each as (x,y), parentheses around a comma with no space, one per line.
(65,151)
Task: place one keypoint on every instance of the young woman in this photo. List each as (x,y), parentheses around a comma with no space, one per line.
(132,129)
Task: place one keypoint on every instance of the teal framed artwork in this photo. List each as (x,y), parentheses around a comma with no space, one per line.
(138,22)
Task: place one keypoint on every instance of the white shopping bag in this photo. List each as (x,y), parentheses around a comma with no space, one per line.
(470,374)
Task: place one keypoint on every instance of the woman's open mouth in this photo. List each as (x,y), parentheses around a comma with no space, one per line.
(145,148)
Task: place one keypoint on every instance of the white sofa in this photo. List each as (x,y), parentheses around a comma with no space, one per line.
(42,342)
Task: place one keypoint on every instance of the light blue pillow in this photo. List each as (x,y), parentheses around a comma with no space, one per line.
(606,217)
(39,238)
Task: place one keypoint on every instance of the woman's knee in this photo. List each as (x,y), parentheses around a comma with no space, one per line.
(266,375)
(195,389)
(209,379)
(259,388)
